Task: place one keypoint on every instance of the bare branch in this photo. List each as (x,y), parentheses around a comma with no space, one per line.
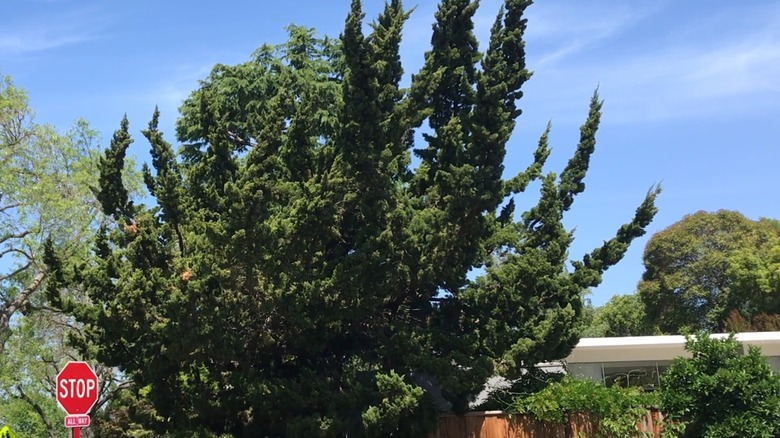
(8,237)
(10,308)
(24,253)
(238,141)
(10,250)
(38,410)
(51,310)
(10,206)
(111,394)
(16,272)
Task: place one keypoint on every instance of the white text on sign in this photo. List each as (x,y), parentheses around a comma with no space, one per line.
(77,421)
(78,388)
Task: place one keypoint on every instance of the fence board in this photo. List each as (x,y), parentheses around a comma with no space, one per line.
(496,424)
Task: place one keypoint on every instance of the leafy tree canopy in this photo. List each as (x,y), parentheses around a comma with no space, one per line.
(298,276)
(622,315)
(709,265)
(44,192)
(47,184)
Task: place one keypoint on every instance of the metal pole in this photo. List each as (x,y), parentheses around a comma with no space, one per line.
(76,432)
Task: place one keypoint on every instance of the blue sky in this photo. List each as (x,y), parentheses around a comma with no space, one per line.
(691,88)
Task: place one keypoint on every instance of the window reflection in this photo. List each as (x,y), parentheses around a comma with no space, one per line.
(645,374)
(632,374)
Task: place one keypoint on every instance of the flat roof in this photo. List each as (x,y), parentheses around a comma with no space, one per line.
(672,339)
(644,348)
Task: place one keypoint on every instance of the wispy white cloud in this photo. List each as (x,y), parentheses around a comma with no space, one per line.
(565,30)
(180,81)
(694,82)
(49,30)
(749,67)
(555,30)
(31,41)
(711,67)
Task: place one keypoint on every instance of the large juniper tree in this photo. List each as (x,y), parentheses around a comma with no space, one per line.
(299,276)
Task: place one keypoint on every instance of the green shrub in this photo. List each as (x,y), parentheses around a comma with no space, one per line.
(719,392)
(615,410)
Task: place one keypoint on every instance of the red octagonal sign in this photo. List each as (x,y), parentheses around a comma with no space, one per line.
(77,388)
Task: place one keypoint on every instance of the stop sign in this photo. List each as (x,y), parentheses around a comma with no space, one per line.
(77,388)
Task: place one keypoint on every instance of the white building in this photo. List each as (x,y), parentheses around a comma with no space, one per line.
(640,360)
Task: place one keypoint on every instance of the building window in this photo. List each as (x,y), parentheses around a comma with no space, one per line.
(645,374)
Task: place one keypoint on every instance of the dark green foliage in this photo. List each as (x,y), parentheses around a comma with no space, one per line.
(166,185)
(720,392)
(118,419)
(113,195)
(298,276)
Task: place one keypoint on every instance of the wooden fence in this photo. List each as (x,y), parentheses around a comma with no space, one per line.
(496,424)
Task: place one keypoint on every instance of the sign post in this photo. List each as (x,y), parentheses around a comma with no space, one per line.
(77,393)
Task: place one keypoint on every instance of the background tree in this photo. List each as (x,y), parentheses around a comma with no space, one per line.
(299,277)
(707,265)
(34,355)
(720,392)
(44,192)
(756,273)
(622,315)
(587,328)
(45,181)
